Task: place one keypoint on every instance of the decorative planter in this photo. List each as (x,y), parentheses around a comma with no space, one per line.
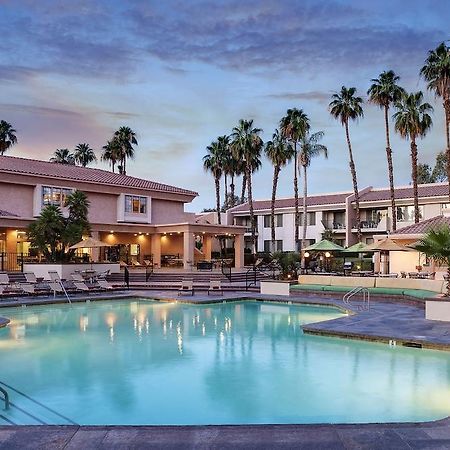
(438,310)
(274,287)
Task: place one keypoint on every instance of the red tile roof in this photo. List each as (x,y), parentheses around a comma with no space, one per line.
(424,226)
(83,174)
(425,190)
(313,200)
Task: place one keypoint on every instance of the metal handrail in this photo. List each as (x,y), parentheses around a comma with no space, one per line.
(356,290)
(227,272)
(6,395)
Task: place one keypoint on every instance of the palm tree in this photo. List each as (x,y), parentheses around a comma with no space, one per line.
(224,144)
(294,126)
(63,156)
(345,106)
(247,144)
(279,152)
(436,245)
(212,162)
(309,148)
(412,121)
(126,138)
(111,153)
(436,72)
(384,92)
(7,136)
(84,155)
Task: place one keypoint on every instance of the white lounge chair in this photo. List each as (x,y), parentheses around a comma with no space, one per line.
(54,275)
(56,287)
(27,288)
(105,285)
(30,277)
(215,286)
(77,277)
(187,287)
(4,278)
(81,286)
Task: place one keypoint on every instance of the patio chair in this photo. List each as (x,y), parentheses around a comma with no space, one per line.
(215,286)
(81,286)
(30,277)
(54,275)
(77,277)
(103,275)
(27,288)
(4,278)
(187,286)
(103,284)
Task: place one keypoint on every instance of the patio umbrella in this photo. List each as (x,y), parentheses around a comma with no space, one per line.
(324,246)
(358,248)
(384,247)
(89,242)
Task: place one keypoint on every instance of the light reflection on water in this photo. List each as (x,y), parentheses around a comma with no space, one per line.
(141,362)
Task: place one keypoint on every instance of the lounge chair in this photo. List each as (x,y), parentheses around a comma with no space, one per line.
(56,287)
(4,278)
(30,277)
(27,288)
(2,289)
(77,277)
(103,284)
(215,286)
(103,275)
(81,286)
(187,286)
(54,275)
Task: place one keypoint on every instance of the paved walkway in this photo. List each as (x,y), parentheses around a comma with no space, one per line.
(435,435)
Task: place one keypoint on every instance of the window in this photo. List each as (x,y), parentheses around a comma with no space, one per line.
(278,221)
(311,219)
(406,213)
(55,196)
(268,246)
(135,204)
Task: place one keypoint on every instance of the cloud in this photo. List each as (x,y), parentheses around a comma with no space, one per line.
(310,95)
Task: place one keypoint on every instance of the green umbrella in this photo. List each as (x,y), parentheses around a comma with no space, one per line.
(324,246)
(358,248)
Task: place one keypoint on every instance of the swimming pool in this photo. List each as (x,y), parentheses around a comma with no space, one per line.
(146,362)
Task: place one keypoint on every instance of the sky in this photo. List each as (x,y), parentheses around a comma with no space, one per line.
(181,73)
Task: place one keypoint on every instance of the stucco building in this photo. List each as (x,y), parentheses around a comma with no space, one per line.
(140,219)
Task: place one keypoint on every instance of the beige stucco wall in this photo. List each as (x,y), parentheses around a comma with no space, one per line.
(172,245)
(17,199)
(404,261)
(103,208)
(168,212)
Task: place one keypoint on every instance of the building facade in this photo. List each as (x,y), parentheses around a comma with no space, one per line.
(334,214)
(139,219)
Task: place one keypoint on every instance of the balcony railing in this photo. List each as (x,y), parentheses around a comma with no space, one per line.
(367,224)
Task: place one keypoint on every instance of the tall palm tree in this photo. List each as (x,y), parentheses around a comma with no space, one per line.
(247,144)
(383,92)
(279,152)
(212,162)
(436,72)
(346,106)
(412,120)
(294,126)
(111,152)
(224,144)
(126,138)
(7,136)
(309,149)
(63,156)
(84,155)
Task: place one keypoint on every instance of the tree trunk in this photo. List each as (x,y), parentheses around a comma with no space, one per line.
(244,185)
(124,165)
(355,182)
(276,172)
(113,164)
(250,204)
(232,190)
(447,134)
(296,221)
(217,182)
(225,177)
(305,214)
(448,280)
(390,168)
(414,179)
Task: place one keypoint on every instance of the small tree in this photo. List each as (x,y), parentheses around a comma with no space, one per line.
(436,245)
(289,262)
(52,234)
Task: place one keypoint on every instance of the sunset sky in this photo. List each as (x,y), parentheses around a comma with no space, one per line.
(180,73)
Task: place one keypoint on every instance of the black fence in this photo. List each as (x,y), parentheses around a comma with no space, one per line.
(12,262)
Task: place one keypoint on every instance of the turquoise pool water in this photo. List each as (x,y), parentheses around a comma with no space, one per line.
(144,362)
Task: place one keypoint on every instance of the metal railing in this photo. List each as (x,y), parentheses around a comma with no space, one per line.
(267,270)
(12,262)
(226,270)
(358,290)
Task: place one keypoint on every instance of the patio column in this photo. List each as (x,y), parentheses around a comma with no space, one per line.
(95,252)
(156,250)
(239,251)
(11,241)
(188,249)
(207,245)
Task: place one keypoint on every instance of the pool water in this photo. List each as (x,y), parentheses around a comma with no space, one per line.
(145,362)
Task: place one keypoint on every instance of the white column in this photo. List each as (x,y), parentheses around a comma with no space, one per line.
(188,249)
(239,251)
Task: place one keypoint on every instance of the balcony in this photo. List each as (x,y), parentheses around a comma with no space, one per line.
(335,226)
(371,226)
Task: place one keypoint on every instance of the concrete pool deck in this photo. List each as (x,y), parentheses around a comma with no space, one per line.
(403,321)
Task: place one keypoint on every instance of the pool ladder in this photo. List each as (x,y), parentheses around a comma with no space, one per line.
(358,290)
